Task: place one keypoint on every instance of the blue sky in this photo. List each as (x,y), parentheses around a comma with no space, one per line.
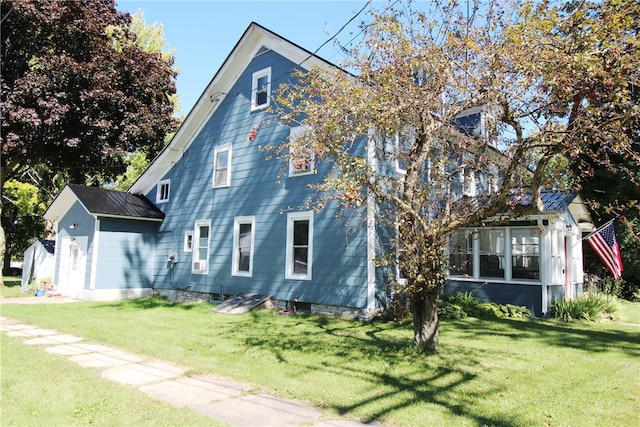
(204,32)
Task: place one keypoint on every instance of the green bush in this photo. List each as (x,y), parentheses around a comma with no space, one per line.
(588,307)
(458,305)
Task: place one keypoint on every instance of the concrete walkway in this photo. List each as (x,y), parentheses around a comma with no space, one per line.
(231,403)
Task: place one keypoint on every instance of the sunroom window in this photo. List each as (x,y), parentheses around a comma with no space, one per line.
(525,254)
(511,253)
(461,253)
(492,253)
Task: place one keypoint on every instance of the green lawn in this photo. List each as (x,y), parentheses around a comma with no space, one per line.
(487,372)
(10,287)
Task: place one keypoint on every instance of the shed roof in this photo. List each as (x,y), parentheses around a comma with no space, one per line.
(103,202)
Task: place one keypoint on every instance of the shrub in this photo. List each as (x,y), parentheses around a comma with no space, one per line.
(588,307)
(458,305)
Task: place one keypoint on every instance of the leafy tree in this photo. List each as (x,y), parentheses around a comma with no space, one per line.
(23,216)
(78,95)
(529,66)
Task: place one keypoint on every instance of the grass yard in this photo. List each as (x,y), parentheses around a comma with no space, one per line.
(488,372)
(39,389)
(10,287)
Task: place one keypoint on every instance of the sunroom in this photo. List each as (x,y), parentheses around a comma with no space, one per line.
(529,262)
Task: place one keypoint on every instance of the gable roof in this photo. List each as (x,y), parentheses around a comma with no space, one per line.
(562,201)
(103,202)
(254,40)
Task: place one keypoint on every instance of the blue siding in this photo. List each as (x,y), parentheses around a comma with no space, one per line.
(339,263)
(84,226)
(126,254)
(529,296)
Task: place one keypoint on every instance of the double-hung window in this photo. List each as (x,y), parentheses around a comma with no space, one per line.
(299,250)
(261,89)
(201,242)
(162,191)
(222,166)
(301,160)
(243,243)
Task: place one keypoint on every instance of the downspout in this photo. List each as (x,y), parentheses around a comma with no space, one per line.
(371,231)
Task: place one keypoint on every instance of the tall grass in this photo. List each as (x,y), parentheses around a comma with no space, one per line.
(498,372)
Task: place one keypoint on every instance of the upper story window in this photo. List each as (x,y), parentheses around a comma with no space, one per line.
(261,89)
(162,191)
(222,166)
(302,161)
(299,250)
(201,242)
(243,238)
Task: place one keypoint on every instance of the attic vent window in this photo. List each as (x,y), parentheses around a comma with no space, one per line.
(263,50)
(261,89)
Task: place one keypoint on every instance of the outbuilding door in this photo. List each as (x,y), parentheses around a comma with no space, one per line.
(73,260)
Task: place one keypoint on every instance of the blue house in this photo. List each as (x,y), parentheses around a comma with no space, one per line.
(214,216)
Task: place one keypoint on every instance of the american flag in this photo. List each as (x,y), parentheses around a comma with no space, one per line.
(604,244)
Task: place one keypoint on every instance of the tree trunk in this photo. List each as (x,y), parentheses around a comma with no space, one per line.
(425,323)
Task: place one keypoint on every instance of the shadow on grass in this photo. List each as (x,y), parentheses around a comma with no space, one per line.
(148,303)
(589,337)
(390,376)
(440,379)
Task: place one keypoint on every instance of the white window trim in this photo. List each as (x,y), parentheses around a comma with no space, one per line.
(188,247)
(254,89)
(508,267)
(161,184)
(217,151)
(296,133)
(236,241)
(397,148)
(196,245)
(291,218)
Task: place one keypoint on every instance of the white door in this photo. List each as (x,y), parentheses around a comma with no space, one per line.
(73,259)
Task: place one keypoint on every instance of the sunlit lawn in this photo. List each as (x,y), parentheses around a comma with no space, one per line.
(10,287)
(487,372)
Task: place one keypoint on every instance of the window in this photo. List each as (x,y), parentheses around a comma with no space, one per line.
(188,241)
(525,253)
(492,253)
(302,160)
(162,192)
(461,253)
(487,253)
(402,149)
(243,238)
(299,251)
(222,166)
(261,89)
(201,249)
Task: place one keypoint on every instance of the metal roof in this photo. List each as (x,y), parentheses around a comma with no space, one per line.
(100,201)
